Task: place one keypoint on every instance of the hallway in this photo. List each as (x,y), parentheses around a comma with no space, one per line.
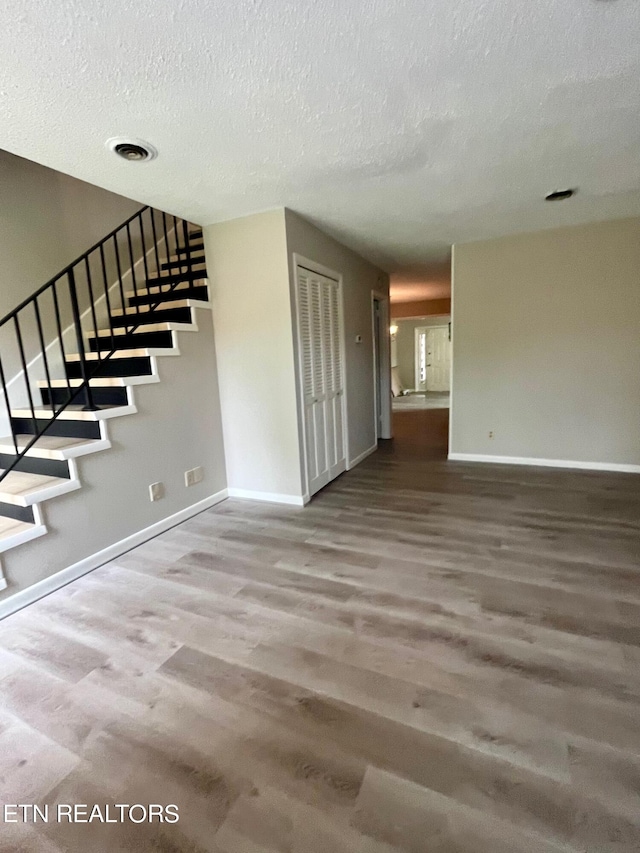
(431,657)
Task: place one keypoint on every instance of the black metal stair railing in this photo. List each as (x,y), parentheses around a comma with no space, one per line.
(71,305)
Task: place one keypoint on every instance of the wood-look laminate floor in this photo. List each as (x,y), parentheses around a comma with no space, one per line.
(432,657)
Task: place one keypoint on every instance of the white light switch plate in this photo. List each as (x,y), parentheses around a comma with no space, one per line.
(193,476)
(156,491)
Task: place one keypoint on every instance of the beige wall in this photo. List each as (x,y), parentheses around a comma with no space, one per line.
(247,265)
(359,279)
(546,345)
(250,263)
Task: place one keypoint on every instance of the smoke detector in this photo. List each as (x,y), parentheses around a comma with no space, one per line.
(133,150)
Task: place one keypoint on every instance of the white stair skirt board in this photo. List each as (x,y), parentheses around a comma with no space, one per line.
(546,463)
(51,584)
(351,463)
(268,497)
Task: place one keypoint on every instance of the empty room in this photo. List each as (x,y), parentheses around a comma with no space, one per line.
(320,427)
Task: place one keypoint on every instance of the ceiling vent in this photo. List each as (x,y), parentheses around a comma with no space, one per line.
(134,150)
(559,195)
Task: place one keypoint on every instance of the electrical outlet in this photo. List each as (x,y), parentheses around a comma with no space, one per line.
(156,491)
(193,476)
(491,434)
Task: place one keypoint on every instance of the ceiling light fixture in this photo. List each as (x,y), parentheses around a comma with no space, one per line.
(133,150)
(560,195)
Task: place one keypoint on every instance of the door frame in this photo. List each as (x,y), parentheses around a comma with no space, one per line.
(381,380)
(316,267)
(416,352)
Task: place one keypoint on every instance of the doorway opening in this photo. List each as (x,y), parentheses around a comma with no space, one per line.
(421,358)
(381,364)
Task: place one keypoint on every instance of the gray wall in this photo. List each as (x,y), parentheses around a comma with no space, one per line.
(406,345)
(47,219)
(177,427)
(359,278)
(546,345)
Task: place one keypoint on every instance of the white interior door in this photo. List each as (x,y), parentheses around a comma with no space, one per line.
(438,354)
(321,354)
(433,358)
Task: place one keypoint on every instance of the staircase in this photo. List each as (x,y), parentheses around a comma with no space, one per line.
(144,303)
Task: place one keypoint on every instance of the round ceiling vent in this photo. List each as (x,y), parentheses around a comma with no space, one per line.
(134,150)
(560,195)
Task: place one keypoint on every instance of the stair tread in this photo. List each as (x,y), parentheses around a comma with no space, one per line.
(138,352)
(99,381)
(70,413)
(154,290)
(19,484)
(147,328)
(163,306)
(48,446)
(10,527)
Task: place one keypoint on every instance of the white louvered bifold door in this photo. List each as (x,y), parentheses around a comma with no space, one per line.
(322,376)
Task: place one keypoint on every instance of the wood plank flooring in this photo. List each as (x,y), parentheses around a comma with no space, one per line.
(432,657)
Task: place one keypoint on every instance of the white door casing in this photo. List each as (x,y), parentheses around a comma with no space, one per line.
(321,353)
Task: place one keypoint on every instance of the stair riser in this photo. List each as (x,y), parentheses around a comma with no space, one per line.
(33,465)
(20,513)
(101,396)
(141,339)
(193,247)
(60,427)
(135,366)
(176,277)
(146,318)
(199,292)
(196,262)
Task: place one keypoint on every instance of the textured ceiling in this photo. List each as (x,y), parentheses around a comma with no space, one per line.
(400,127)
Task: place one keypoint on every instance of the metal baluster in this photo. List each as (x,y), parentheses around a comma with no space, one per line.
(119,270)
(155,238)
(133,272)
(5,393)
(25,370)
(75,310)
(106,295)
(166,238)
(92,300)
(43,347)
(56,307)
(185,232)
(144,251)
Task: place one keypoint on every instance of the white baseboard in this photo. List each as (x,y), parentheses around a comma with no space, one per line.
(351,463)
(546,463)
(268,497)
(51,584)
